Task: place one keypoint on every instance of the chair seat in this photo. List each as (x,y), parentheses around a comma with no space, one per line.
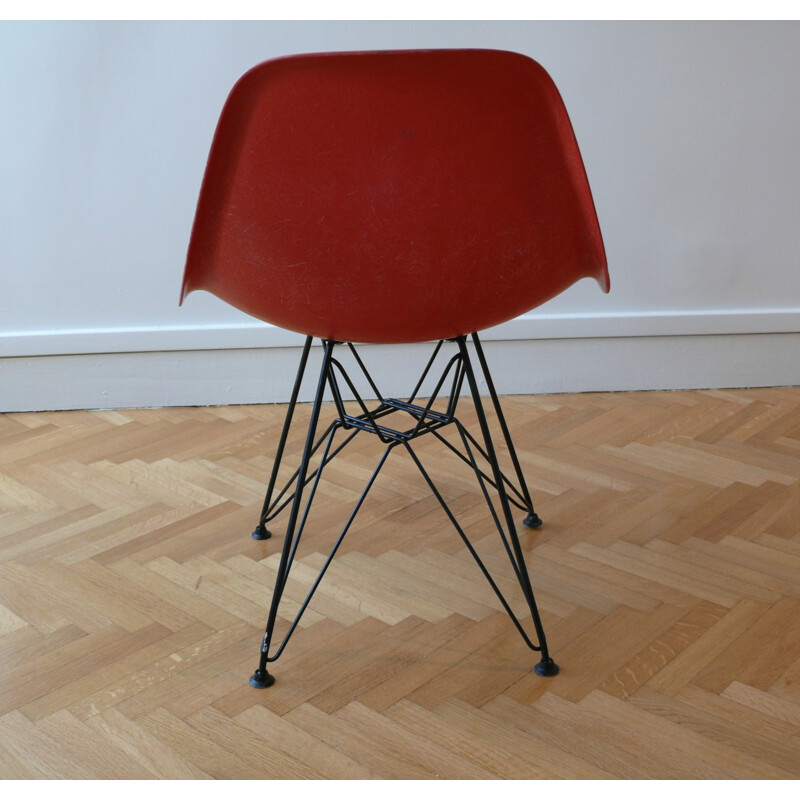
(394,197)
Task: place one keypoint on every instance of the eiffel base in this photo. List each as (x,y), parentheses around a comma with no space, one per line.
(417,418)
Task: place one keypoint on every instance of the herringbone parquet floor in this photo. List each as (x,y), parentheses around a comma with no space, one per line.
(133,600)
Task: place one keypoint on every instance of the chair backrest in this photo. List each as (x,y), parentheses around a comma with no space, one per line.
(394,196)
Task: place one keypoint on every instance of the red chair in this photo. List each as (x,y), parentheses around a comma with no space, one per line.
(390,197)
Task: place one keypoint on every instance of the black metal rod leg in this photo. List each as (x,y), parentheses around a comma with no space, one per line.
(533,520)
(470,548)
(546,666)
(261,677)
(261,531)
(332,553)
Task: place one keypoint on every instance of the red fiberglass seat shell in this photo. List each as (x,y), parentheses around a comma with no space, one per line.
(394,196)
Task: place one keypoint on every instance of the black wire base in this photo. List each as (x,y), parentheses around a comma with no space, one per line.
(478,453)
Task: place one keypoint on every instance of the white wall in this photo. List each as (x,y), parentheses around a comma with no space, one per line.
(689,132)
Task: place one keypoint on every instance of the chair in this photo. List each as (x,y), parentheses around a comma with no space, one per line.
(395,197)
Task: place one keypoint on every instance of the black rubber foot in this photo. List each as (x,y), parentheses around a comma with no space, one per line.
(546,668)
(261,679)
(261,533)
(533,520)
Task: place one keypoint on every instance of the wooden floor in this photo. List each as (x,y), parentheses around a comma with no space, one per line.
(133,600)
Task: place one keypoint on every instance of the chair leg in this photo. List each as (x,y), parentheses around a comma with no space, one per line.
(533,520)
(261,677)
(546,666)
(261,531)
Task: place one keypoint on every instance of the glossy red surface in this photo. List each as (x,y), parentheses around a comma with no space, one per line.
(394,196)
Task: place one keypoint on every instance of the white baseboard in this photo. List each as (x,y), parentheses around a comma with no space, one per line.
(534,325)
(264,374)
